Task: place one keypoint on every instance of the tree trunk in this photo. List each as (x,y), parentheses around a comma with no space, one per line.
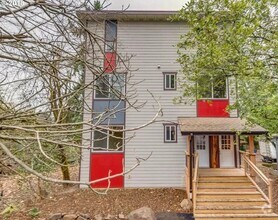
(64,161)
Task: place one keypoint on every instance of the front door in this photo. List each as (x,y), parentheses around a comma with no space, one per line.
(214,151)
(227,153)
(202,148)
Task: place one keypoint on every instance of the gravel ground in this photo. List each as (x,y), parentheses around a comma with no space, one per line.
(165,202)
(123,201)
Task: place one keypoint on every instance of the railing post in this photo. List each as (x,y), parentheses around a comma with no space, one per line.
(270,192)
(194,196)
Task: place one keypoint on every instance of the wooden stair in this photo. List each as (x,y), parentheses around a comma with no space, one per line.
(230,197)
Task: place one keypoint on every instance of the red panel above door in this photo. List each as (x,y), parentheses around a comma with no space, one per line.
(212,108)
(101,163)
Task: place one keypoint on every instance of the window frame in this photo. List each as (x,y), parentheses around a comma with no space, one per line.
(176,133)
(165,74)
(226,145)
(201,144)
(110,75)
(212,92)
(122,127)
(107,46)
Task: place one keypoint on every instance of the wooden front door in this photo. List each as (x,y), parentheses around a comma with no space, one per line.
(214,151)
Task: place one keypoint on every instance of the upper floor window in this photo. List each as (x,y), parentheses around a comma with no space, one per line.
(170,133)
(110,35)
(170,81)
(110,86)
(212,89)
(110,139)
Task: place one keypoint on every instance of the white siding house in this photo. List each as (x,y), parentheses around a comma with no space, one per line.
(147,40)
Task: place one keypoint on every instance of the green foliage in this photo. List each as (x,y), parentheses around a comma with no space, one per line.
(236,40)
(8,211)
(34,212)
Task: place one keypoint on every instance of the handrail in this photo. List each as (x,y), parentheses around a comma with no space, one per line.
(256,169)
(195,181)
(249,164)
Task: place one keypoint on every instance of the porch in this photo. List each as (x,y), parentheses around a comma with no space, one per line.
(221,180)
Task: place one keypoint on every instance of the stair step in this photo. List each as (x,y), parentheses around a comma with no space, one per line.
(234,189)
(237,201)
(223,186)
(223,180)
(228,195)
(235,216)
(227,184)
(231,209)
(223,177)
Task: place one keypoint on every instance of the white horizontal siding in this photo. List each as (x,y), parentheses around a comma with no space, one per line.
(153,44)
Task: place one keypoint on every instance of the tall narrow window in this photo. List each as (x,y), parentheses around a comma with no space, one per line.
(170,81)
(110,35)
(170,133)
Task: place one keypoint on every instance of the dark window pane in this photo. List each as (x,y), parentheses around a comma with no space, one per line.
(116,139)
(100,140)
(173,133)
(168,135)
(173,81)
(102,87)
(167,81)
(219,88)
(111,31)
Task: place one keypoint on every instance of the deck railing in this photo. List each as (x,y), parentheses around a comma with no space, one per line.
(195,182)
(251,170)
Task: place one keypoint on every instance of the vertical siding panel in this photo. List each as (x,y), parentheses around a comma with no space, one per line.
(152,44)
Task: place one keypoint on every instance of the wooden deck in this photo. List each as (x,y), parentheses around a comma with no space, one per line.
(221,172)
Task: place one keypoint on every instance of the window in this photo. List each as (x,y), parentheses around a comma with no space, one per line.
(200,142)
(110,35)
(212,89)
(170,133)
(110,86)
(111,139)
(170,81)
(226,142)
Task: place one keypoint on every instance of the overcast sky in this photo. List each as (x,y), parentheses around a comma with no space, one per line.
(147,4)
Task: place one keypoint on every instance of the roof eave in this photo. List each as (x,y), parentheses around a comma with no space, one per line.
(224,132)
(127,15)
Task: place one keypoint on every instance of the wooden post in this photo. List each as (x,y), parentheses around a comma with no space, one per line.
(187,168)
(238,159)
(191,159)
(252,152)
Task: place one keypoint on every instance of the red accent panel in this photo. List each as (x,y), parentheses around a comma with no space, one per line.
(212,108)
(101,163)
(110,62)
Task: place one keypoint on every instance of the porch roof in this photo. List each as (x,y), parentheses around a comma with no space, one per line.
(218,126)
